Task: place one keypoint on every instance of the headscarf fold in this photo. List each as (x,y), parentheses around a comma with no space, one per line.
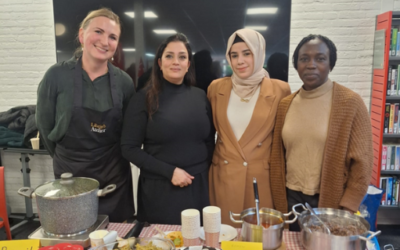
(245,88)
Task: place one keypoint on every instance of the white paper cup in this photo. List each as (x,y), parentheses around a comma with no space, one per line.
(35,143)
(212,225)
(96,238)
(190,227)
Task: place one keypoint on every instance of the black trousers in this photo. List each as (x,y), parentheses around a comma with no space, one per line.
(296,197)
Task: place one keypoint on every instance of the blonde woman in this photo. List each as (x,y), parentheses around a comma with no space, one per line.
(79,113)
(244,107)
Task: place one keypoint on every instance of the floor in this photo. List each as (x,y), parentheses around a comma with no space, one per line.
(390,233)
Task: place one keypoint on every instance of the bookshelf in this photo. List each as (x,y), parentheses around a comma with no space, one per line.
(382,61)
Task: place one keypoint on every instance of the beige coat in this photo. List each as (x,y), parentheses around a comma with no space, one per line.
(235,163)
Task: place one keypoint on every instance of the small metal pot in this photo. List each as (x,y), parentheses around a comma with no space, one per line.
(272,235)
(67,206)
(319,240)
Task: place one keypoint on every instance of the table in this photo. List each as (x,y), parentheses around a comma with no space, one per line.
(25,152)
(121,228)
(292,239)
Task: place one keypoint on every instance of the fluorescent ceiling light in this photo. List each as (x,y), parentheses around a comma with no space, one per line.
(260,28)
(255,11)
(165,31)
(129,49)
(147,14)
(150,55)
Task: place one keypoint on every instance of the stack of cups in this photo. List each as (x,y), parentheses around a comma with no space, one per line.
(190,227)
(100,238)
(212,225)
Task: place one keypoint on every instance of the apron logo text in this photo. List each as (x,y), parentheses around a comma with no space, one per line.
(98,128)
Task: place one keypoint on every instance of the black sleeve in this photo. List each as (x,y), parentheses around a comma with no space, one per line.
(210,142)
(46,110)
(133,136)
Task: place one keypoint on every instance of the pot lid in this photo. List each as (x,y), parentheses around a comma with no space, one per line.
(67,186)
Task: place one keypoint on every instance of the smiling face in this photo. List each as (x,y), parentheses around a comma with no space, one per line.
(100,38)
(174,62)
(313,64)
(242,60)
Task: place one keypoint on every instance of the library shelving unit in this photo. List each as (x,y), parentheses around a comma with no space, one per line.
(384,23)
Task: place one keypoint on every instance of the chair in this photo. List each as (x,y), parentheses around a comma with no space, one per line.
(3,206)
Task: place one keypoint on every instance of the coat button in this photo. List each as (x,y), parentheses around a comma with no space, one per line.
(245,164)
(259,144)
(226,162)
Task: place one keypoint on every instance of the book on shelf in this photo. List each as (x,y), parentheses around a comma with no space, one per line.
(397,159)
(393,85)
(394,41)
(384,154)
(387,116)
(383,187)
(391,118)
(389,81)
(389,188)
(396,118)
(398,44)
(392,157)
(388,156)
(398,78)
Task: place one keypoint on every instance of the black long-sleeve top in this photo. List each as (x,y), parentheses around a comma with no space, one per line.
(180,134)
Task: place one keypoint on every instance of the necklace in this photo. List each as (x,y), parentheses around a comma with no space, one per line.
(246,100)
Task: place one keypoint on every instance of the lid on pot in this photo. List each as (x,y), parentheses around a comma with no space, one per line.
(67,186)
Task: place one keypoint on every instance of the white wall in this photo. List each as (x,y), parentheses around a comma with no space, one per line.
(28,49)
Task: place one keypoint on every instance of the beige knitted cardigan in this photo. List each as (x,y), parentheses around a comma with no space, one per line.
(348,156)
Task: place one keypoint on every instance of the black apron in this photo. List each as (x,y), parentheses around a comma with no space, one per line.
(91,148)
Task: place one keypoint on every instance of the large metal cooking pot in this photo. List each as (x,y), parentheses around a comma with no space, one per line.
(67,206)
(320,240)
(272,221)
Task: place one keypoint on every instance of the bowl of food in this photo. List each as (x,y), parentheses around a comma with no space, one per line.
(145,243)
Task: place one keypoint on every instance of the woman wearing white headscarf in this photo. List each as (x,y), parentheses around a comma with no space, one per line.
(244,107)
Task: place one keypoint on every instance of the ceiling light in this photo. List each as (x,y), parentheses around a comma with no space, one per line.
(147,14)
(165,31)
(260,28)
(255,11)
(150,14)
(60,29)
(149,54)
(129,49)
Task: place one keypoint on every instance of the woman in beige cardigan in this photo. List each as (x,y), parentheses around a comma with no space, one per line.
(244,108)
(322,147)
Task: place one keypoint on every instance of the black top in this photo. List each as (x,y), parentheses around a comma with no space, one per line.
(55,98)
(180,134)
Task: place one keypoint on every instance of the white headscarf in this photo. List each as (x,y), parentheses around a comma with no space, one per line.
(255,41)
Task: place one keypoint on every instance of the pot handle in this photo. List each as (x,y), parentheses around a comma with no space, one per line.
(290,221)
(373,234)
(110,188)
(233,219)
(27,192)
(298,205)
